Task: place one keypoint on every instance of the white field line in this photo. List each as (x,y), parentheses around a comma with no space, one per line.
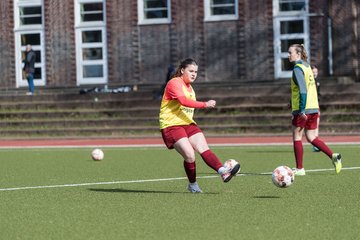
(146,180)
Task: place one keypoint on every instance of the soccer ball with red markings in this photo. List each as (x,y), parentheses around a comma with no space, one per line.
(283,177)
(229,164)
(97,154)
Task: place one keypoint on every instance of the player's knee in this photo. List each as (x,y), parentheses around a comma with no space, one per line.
(190,158)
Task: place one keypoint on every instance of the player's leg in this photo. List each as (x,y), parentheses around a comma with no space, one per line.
(176,137)
(298,150)
(317,142)
(184,148)
(312,136)
(315,149)
(200,145)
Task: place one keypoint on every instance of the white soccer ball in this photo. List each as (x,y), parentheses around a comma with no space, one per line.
(229,164)
(283,177)
(97,154)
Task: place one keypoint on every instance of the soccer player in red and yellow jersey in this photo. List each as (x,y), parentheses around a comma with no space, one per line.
(180,131)
(305,109)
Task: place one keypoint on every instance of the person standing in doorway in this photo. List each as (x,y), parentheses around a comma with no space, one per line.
(29,68)
(305,109)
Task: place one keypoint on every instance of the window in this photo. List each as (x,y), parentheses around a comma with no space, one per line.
(30,15)
(219,10)
(291,6)
(91,51)
(92,54)
(291,25)
(91,12)
(154,11)
(28,18)
(92,36)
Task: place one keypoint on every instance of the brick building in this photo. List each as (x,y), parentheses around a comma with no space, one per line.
(117,42)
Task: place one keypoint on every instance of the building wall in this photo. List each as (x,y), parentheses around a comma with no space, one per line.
(227,51)
(187,34)
(258,40)
(7,55)
(345,26)
(60,43)
(356,48)
(123,42)
(345,16)
(319,36)
(340,13)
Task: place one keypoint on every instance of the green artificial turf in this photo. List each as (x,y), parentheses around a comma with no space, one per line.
(114,202)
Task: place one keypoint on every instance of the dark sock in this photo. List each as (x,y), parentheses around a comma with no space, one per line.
(299,153)
(190,169)
(322,147)
(211,160)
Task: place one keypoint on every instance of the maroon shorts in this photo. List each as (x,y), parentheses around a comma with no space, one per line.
(310,123)
(173,134)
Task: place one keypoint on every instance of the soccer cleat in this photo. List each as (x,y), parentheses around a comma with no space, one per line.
(194,188)
(315,149)
(230,172)
(299,172)
(336,159)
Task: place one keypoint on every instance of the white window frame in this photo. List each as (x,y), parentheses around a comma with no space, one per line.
(18,4)
(278,17)
(143,21)
(90,26)
(19,30)
(209,17)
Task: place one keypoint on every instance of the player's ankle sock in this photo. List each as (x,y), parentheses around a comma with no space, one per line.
(211,160)
(299,153)
(221,170)
(322,147)
(190,169)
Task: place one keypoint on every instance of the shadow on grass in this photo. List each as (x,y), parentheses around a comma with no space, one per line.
(122,190)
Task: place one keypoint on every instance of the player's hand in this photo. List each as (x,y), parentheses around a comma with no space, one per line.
(210,104)
(303,116)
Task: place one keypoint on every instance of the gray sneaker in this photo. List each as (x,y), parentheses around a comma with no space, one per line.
(194,188)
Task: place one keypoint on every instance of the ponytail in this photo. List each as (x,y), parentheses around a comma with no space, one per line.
(300,49)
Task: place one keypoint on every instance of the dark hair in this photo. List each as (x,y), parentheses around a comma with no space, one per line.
(183,64)
(300,49)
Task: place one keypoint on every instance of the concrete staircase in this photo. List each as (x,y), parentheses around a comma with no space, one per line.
(241,110)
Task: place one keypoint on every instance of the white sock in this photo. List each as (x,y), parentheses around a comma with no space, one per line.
(222,170)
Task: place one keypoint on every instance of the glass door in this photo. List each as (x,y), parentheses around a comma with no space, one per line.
(29,30)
